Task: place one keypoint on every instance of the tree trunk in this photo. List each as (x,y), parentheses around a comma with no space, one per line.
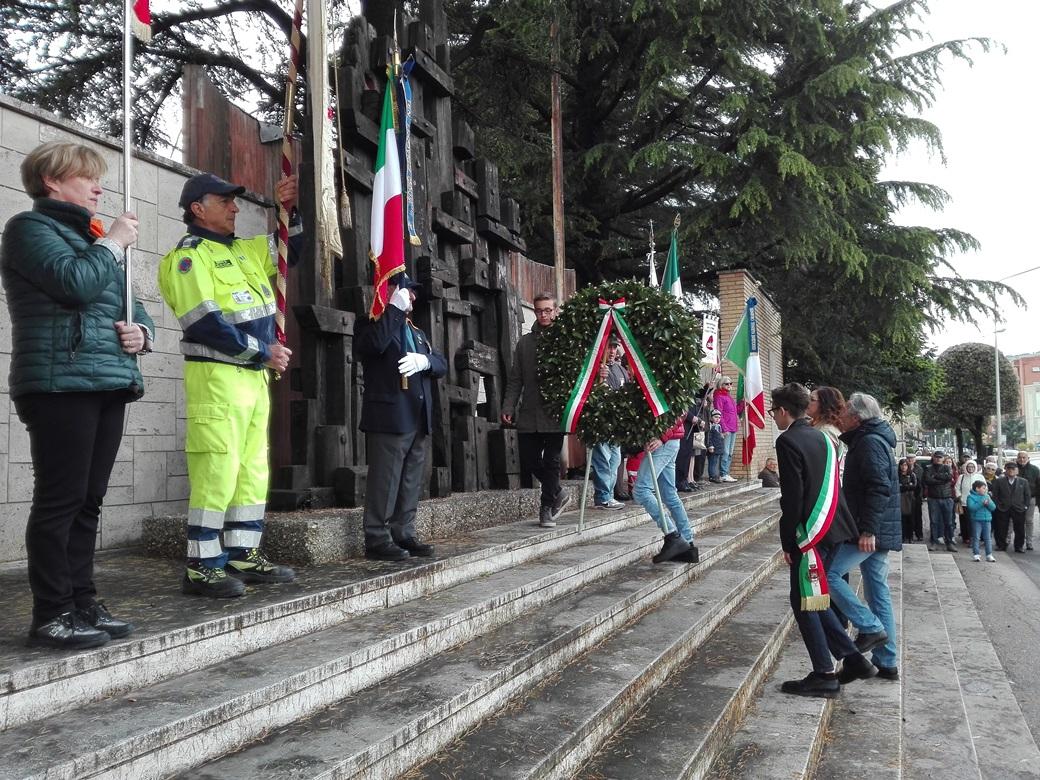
(976,432)
(959,433)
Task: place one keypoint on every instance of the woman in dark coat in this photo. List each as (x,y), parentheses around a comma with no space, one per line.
(73,371)
(907,491)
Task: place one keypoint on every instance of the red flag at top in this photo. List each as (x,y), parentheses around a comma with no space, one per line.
(141,20)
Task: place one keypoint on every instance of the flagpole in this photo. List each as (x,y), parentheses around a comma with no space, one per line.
(128,140)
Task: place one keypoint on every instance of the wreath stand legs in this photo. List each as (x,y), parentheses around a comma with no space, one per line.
(584,490)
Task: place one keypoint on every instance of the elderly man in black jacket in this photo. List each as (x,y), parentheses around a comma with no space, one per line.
(812,508)
(1011,494)
(396,416)
(871,487)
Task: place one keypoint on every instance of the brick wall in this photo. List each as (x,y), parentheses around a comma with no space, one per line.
(735,287)
(150,474)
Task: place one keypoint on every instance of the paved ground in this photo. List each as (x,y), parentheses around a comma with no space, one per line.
(1007,596)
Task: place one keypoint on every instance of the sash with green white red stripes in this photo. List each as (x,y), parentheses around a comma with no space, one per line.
(812,579)
(590,367)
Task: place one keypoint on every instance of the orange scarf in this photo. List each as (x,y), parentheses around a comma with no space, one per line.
(97,229)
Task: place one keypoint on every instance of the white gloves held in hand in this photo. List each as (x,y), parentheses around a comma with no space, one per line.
(412,363)
(402,299)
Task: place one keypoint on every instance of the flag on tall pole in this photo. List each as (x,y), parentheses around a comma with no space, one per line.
(386,243)
(287,170)
(651,259)
(670,280)
(743,353)
(137,21)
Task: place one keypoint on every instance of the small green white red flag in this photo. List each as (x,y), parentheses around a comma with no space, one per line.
(386,243)
(670,280)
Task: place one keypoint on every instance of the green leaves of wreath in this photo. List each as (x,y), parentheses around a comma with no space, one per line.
(669,337)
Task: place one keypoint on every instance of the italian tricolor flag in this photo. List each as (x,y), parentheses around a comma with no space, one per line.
(141,20)
(386,245)
(670,280)
(743,353)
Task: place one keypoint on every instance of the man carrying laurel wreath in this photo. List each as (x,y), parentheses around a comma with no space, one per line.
(539,435)
(813,519)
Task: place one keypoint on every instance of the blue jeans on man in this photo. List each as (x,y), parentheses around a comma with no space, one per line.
(876,614)
(606,458)
(663,469)
(940,519)
(729,439)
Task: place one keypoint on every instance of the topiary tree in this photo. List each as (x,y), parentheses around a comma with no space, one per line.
(968,394)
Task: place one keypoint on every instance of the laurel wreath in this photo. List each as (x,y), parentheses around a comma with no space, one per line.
(669,337)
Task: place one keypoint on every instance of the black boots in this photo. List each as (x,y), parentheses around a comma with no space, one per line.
(674,546)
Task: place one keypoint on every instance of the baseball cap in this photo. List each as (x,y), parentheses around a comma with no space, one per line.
(938,454)
(197,187)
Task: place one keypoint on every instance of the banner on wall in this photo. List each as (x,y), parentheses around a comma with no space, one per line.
(710,339)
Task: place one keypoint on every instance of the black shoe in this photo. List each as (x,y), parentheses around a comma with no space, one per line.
(1029,547)
(98,616)
(68,631)
(716,480)
(388,552)
(950,547)
(1019,549)
(856,667)
(1001,548)
(674,546)
(253,567)
(888,672)
(824,686)
(561,502)
(545,517)
(690,556)
(685,487)
(867,642)
(622,497)
(208,581)
(415,547)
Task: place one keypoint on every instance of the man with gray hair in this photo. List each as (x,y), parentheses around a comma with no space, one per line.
(871,488)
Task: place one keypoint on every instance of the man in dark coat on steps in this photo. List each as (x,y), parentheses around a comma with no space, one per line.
(871,488)
(808,482)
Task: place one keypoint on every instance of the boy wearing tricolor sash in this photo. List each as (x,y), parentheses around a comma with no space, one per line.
(813,519)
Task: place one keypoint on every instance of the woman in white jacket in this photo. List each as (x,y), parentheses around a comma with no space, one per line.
(969,473)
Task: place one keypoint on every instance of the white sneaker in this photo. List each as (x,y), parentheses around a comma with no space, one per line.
(976,558)
(728,478)
(991,559)
(614,504)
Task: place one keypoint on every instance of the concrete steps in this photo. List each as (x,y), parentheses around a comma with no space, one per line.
(277,672)
(188,634)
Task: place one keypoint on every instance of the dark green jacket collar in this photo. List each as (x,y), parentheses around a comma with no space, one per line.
(69,214)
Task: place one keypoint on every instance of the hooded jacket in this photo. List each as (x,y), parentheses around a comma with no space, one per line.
(871,483)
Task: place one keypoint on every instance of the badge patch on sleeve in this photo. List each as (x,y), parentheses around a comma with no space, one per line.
(184,265)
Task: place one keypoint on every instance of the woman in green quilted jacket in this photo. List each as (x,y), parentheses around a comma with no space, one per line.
(73,370)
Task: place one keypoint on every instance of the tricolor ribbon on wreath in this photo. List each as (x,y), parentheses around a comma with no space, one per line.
(812,579)
(612,318)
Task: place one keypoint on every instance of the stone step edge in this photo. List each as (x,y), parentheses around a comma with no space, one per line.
(589,737)
(115,669)
(1013,731)
(189,741)
(425,736)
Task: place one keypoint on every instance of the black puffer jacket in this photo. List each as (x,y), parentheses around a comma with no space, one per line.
(871,482)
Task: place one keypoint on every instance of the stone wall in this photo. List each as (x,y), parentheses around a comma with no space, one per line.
(150,474)
(735,287)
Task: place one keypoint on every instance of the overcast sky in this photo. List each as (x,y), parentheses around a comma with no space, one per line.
(986,115)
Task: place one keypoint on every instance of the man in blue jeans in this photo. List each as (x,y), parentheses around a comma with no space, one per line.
(938,486)
(871,488)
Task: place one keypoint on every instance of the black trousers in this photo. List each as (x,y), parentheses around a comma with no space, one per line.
(698,464)
(682,460)
(822,632)
(394,484)
(1001,520)
(73,438)
(540,458)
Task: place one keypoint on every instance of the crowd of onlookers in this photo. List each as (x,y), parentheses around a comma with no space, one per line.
(968,504)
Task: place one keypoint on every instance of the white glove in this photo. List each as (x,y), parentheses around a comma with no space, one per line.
(412,363)
(401,299)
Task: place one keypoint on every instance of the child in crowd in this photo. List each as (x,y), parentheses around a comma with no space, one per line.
(980,508)
(715,445)
(770,476)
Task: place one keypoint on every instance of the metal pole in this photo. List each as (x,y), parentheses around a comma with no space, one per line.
(657,487)
(559,256)
(585,490)
(996,369)
(128,142)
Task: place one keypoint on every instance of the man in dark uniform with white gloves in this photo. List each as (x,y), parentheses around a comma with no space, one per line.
(396,416)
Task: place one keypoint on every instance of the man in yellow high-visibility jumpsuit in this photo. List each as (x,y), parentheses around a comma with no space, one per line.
(221,290)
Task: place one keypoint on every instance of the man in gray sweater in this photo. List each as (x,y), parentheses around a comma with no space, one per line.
(540,436)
